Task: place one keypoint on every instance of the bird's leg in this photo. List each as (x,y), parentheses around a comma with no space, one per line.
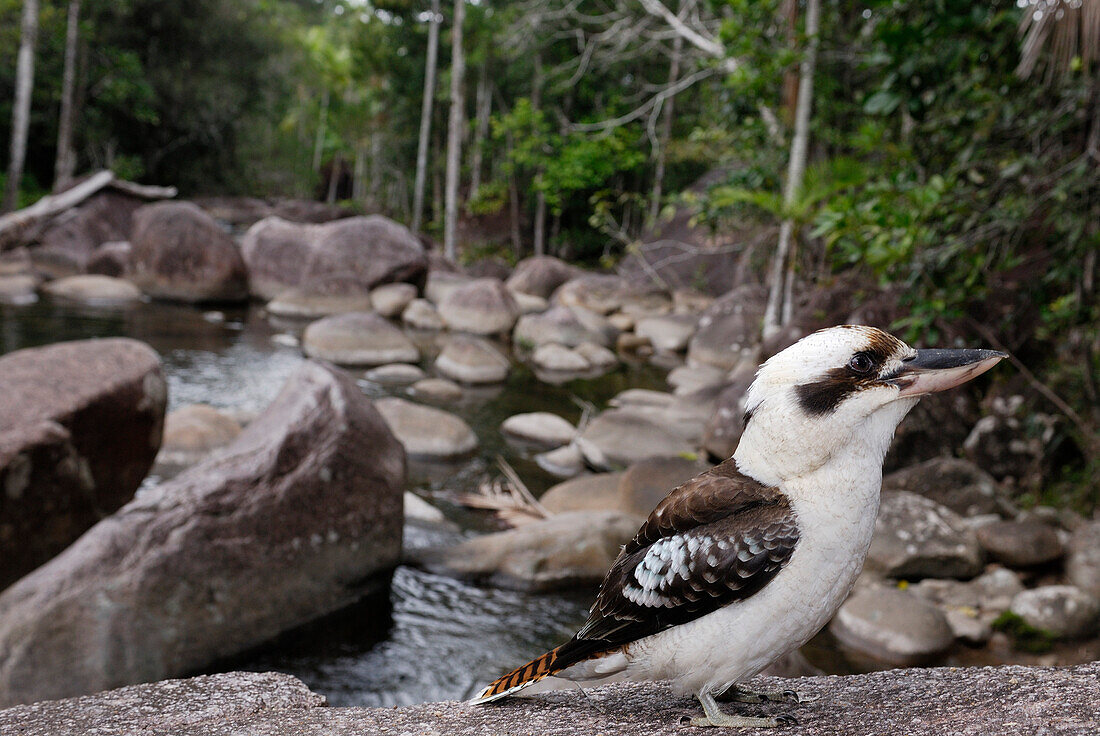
(715,717)
(738,694)
(588,697)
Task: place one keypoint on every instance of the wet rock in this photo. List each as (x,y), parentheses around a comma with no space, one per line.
(975,701)
(300,303)
(390,300)
(564,462)
(192,432)
(1020,543)
(442,283)
(558,325)
(398,374)
(541,275)
(179,253)
(555,357)
(727,422)
(568,549)
(597,355)
(346,257)
(426,432)
(472,360)
(539,428)
(1083,558)
(598,492)
(916,537)
(645,484)
(80,425)
(892,625)
(670,333)
(729,331)
(111,259)
(620,437)
(358,338)
(481,307)
(182,575)
(436,389)
(93,289)
(18,289)
(422,315)
(1065,611)
(960,485)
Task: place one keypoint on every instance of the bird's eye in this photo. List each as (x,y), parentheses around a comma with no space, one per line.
(861,363)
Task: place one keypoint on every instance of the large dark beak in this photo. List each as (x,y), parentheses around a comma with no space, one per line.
(936,369)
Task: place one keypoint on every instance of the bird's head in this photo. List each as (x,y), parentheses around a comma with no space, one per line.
(842,388)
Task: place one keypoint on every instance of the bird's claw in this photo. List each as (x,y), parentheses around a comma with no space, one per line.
(786,720)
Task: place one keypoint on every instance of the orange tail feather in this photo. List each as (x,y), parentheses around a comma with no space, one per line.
(519,678)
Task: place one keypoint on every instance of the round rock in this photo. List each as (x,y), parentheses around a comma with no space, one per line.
(646,483)
(436,389)
(619,437)
(555,357)
(426,432)
(915,537)
(93,289)
(398,374)
(472,360)
(481,306)
(892,625)
(1063,610)
(1020,543)
(422,315)
(390,300)
(539,428)
(598,492)
(358,338)
(191,432)
(670,333)
(729,331)
(304,304)
(540,275)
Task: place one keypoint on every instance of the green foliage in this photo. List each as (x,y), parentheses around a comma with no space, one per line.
(1025,637)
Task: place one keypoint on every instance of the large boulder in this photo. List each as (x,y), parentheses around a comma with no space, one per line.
(481,306)
(427,433)
(183,575)
(600,293)
(344,257)
(179,253)
(892,626)
(1024,543)
(562,325)
(80,425)
(111,259)
(358,338)
(1065,611)
(668,333)
(541,275)
(568,549)
(915,537)
(958,484)
(472,360)
(727,423)
(729,330)
(68,242)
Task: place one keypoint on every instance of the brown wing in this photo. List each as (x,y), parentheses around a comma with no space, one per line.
(714,540)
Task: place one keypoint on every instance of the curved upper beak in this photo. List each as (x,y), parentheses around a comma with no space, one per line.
(937,369)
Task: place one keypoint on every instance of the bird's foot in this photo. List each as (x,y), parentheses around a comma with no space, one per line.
(714,717)
(738,694)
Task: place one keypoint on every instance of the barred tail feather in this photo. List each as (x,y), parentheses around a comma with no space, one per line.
(521,677)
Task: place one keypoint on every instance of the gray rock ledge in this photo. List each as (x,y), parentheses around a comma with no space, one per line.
(917,702)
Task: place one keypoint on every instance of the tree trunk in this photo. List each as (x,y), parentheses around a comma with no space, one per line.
(666,132)
(426,118)
(540,196)
(334,178)
(796,169)
(483,107)
(454,133)
(21,110)
(322,126)
(374,187)
(65,163)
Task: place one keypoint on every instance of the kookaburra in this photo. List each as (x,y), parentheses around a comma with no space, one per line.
(750,559)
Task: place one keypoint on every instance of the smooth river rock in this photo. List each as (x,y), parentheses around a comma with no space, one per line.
(93,289)
(961,701)
(539,428)
(80,426)
(541,275)
(1063,610)
(179,253)
(958,484)
(358,338)
(619,437)
(596,492)
(915,537)
(892,625)
(192,432)
(472,360)
(299,517)
(1020,543)
(427,432)
(480,306)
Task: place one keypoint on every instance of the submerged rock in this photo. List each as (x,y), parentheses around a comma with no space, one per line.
(183,575)
(573,548)
(179,253)
(80,425)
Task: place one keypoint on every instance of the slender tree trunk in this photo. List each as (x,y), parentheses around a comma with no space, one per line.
(322,128)
(334,178)
(374,187)
(65,163)
(483,107)
(426,118)
(454,133)
(359,173)
(666,131)
(540,196)
(21,110)
(778,297)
